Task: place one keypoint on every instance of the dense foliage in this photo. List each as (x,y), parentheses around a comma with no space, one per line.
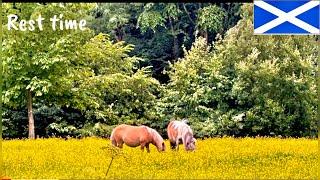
(247,85)
(148,63)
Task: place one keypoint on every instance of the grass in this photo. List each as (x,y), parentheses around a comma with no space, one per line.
(214,158)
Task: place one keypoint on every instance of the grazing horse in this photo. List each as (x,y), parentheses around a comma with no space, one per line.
(180,132)
(134,136)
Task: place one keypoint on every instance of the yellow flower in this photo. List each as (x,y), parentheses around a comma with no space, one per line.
(214,158)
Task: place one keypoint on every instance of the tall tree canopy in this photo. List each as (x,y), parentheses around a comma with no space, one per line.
(160,30)
(34,61)
(144,63)
(72,68)
(246,84)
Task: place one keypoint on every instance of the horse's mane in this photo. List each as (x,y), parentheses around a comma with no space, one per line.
(178,124)
(156,134)
(186,121)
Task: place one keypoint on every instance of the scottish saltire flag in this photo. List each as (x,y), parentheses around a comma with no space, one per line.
(287,17)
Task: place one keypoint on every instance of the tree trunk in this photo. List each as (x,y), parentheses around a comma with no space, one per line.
(206,36)
(175,48)
(30,115)
(119,34)
(175,41)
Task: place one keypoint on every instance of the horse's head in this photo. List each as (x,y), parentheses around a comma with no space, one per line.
(160,144)
(191,144)
(158,141)
(162,147)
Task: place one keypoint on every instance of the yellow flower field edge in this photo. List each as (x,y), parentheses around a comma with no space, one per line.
(214,158)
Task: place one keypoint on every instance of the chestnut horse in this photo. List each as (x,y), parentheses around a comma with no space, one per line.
(134,136)
(179,132)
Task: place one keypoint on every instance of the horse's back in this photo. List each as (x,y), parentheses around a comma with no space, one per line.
(117,130)
(130,135)
(176,129)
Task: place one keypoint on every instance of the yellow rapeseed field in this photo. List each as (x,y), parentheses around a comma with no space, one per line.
(215,158)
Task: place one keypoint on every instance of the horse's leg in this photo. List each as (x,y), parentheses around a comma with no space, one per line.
(184,142)
(114,142)
(177,144)
(120,144)
(142,146)
(173,145)
(147,147)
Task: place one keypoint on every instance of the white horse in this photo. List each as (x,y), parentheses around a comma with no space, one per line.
(179,132)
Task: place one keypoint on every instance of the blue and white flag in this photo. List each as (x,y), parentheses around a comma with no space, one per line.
(287,17)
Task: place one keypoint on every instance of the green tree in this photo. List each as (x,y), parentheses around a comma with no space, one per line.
(114,18)
(273,79)
(211,18)
(182,22)
(165,15)
(39,63)
(110,89)
(246,85)
(160,30)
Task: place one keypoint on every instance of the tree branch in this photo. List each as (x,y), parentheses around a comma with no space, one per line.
(185,9)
